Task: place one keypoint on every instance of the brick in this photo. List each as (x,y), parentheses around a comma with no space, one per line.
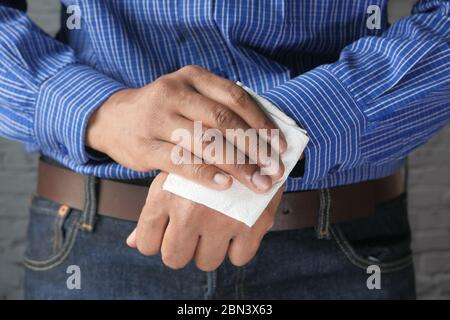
(20,161)
(20,183)
(430,175)
(434,262)
(425,219)
(431,240)
(439,156)
(445,286)
(425,287)
(12,231)
(424,196)
(11,279)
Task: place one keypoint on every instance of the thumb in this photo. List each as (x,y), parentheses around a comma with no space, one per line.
(131,240)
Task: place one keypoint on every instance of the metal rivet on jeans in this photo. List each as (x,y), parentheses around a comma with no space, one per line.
(62,211)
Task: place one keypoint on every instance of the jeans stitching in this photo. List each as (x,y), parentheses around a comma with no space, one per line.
(43,265)
(45,211)
(363,263)
(57,241)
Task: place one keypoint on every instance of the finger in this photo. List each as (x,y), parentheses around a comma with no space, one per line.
(166,157)
(242,249)
(150,230)
(233,96)
(233,128)
(179,243)
(245,244)
(237,165)
(210,253)
(131,240)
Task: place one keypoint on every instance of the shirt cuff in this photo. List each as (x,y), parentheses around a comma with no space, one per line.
(325,109)
(63,106)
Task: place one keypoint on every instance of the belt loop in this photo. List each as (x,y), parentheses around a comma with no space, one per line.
(90,202)
(323,224)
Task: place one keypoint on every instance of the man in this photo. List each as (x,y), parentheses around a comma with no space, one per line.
(101,103)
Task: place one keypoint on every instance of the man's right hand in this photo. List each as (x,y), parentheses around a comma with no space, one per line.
(134,127)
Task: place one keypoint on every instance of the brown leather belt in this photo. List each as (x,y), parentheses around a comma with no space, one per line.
(297,209)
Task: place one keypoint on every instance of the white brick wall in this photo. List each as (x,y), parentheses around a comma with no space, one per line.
(17,182)
(429,209)
(429,198)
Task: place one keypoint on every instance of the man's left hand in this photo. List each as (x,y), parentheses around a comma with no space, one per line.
(182,230)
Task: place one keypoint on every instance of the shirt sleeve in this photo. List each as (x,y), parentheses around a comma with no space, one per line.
(46,94)
(384,97)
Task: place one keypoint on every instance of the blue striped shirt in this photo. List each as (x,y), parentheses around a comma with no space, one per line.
(367,97)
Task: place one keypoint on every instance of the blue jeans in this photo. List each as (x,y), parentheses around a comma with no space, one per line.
(289,265)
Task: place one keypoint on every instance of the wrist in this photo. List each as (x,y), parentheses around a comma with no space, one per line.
(97,131)
(93,133)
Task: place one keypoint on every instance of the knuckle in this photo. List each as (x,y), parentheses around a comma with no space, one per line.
(184,222)
(164,86)
(238,96)
(191,70)
(221,116)
(149,221)
(201,170)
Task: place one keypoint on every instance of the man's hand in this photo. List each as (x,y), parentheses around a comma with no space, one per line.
(182,230)
(134,127)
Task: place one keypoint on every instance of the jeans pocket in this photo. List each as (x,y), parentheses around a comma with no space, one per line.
(52,232)
(383,239)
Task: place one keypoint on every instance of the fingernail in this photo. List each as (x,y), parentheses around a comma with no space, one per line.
(131,237)
(261,182)
(221,179)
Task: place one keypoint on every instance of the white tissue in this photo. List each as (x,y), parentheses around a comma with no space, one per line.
(238,201)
